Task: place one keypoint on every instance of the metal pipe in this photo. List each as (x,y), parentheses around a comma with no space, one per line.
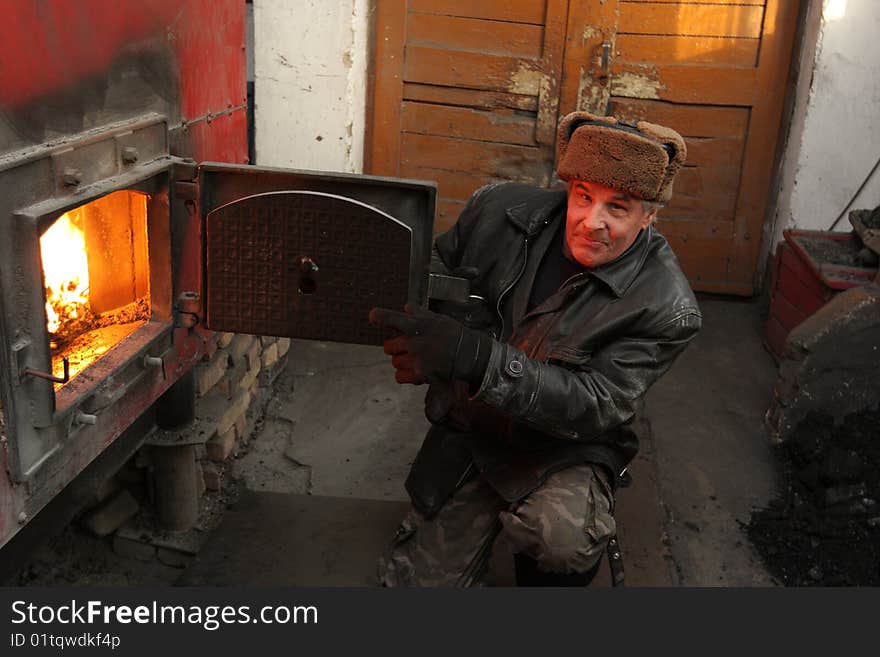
(175,486)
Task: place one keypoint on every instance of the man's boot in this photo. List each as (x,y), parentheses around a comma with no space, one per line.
(527,574)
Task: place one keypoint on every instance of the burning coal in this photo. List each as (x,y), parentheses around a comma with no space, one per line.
(96,276)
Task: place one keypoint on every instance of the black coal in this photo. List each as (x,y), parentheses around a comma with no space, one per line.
(824,527)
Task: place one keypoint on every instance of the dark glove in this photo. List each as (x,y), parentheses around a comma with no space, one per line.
(430,348)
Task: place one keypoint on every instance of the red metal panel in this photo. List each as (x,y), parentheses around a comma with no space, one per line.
(782,309)
(54,43)
(799,284)
(776,335)
(210,46)
(220,139)
(68,50)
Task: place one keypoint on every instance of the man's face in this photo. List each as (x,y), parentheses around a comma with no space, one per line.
(601,222)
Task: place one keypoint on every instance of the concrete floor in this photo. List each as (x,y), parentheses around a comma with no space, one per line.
(326,472)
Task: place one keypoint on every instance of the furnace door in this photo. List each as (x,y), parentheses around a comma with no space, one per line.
(306,255)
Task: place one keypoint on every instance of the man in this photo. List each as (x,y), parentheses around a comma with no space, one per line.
(578,306)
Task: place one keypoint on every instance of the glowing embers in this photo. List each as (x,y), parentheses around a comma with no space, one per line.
(96,274)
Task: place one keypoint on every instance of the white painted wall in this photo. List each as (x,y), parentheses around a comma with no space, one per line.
(310,83)
(835,134)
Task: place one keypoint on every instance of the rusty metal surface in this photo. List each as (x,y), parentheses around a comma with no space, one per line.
(412,202)
(262,251)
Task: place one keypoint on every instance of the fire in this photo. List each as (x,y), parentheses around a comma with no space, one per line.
(65,269)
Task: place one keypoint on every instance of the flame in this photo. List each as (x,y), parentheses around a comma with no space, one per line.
(65,269)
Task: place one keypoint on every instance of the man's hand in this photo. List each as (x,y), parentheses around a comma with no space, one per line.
(430,348)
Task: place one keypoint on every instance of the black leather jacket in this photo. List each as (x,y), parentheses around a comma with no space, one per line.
(564,381)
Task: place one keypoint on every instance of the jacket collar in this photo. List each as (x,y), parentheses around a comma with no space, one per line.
(531,217)
(618,274)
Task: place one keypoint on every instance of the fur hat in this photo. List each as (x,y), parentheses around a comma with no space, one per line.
(640,159)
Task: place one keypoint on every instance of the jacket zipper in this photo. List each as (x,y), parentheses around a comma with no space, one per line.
(512,283)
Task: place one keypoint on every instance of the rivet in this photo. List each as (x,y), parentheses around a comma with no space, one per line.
(129,155)
(71,176)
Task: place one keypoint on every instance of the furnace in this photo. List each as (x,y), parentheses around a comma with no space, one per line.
(119,262)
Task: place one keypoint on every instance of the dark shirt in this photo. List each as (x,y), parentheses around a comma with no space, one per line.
(554,270)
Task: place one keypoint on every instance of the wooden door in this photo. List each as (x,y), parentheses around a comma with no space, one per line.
(465,93)
(715,70)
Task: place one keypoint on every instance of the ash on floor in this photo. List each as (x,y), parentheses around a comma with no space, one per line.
(824,528)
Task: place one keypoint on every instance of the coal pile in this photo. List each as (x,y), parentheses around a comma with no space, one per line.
(824,528)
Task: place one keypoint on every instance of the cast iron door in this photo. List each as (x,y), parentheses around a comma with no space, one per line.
(307,262)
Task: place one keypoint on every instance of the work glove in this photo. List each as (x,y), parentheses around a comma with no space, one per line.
(432,348)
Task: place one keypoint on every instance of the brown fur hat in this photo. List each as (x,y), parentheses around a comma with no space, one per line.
(640,159)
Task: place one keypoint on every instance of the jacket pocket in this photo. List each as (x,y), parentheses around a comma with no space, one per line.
(599,523)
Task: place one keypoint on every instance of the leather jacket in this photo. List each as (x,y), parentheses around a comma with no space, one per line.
(564,381)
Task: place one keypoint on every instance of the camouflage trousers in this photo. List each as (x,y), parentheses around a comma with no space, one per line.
(564,525)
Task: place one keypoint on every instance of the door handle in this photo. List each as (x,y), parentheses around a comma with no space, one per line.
(604,63)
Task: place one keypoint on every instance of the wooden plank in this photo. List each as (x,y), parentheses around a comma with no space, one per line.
(685,230)
(457,185)
(709,152)
(448,211)
(689,120)
(719,205)
(516,11)
(507,128)
(724,286)
(762,147)
(702,259)
(382,141)
(691,19)
(590,22)
(695,181)
(494,37)
(551,66)
(468,97)
(726,51)
(480,158)
(703,85)
(474,70)
(702,2)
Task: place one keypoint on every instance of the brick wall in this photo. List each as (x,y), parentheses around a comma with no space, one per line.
(232,386)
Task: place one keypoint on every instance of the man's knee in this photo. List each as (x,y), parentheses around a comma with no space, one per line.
(556,545)
(565,525)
